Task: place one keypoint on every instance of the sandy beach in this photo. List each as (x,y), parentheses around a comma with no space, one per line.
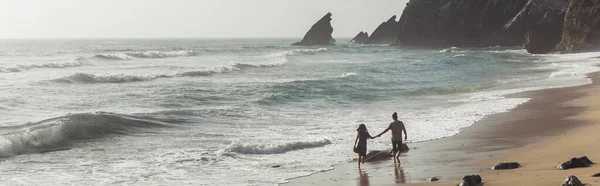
(554,126)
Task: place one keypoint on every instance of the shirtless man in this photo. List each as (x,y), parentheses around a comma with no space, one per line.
(397,128)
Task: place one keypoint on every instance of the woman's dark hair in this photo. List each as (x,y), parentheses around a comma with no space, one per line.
(395,115)
(362,128)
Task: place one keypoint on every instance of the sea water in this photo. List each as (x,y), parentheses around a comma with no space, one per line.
(239,111)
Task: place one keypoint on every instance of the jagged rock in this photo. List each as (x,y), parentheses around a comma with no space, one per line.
(470,180)
(461,23)
(542,21)
(362,37)
(572,181)
(576,163)
(386,33)
(504,166)
(319,33)
(376,155)
(581,30)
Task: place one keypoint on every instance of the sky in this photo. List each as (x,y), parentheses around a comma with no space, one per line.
(188,18)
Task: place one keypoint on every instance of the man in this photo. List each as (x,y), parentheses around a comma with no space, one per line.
(397,128)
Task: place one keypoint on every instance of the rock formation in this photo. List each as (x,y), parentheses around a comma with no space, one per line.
(542,22)
(319,33)
(581,31)
(504,166)
(362,37)
(576,163)
(572,181)
(470,180)
(461,23)
(386,33)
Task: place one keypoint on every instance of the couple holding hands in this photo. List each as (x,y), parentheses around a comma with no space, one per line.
(397,127)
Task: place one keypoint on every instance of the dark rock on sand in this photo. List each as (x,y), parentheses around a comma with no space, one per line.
(470,180)
(581,31)
(362,37)
(543,22)
(504,166)
(572,181)
(433,179)
(319,33)
(576,163)
(377,155)
(386,33)
(276,166)
(460,23)
(596,175)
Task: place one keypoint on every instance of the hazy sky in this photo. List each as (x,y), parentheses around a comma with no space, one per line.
(188,18)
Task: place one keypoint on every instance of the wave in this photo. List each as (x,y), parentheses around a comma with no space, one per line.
(9,69)
(159,54)
(118,56)
(347,75)
(90,78)
(277,148)
(19,68)
(146,54)
(62,132)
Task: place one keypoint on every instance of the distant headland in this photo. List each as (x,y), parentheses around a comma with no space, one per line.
(540,26)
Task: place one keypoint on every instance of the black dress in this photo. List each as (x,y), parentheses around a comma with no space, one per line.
(362,142)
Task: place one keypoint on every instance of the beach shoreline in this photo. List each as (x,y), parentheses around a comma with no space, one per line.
(550,114)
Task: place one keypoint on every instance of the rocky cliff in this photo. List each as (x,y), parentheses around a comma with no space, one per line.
(386,32)
(581,31)
(362,37)
(319,33)
(461,23)
(541,23)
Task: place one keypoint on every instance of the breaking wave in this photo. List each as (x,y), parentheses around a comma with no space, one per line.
(113,56)
(62,132)
(90,78)
(159,54)
(277,148)
(19,68)
(146,54)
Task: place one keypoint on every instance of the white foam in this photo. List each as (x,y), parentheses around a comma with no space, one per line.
(277,148)
(347,75)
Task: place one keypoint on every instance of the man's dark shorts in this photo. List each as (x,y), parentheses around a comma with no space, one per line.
(396,146)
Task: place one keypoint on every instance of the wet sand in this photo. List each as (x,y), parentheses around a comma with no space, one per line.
(554,126)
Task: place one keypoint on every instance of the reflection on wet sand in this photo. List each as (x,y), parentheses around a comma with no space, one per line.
(363,180)
(399,173)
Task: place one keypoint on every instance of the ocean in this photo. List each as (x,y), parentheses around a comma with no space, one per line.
(240,111)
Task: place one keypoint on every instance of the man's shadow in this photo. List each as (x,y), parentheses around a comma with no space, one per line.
(399,174)
(363,179)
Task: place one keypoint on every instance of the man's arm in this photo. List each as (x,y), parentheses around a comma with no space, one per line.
(405,135)
(379,135)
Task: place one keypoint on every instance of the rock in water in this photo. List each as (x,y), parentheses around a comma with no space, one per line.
(376,155)
(362,37)
(386,33)
(572,181)
(576,163)
(504,166)
(470,180)
(581,30)
(319,33)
